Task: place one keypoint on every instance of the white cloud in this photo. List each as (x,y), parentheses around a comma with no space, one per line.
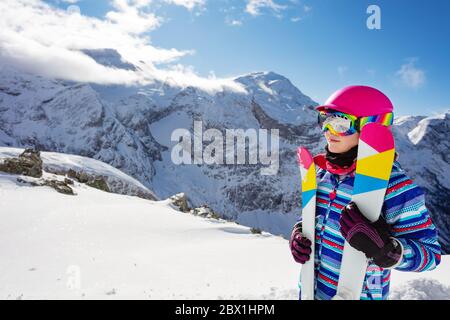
(182,76)
(307,8)
(189,4)
(131,18)
(302,10)
(254,6)
(43,39)
(73,9)
(411,76)
(233,22)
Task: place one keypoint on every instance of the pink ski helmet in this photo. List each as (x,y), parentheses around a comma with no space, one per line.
(360,101)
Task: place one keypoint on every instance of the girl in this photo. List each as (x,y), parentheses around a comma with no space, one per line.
(403,238)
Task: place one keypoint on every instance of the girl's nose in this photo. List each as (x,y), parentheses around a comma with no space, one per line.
(329,133)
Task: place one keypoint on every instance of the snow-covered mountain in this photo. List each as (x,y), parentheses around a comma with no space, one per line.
(129,127)
(100,245)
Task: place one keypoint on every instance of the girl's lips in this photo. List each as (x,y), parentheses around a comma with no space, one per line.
(333,140)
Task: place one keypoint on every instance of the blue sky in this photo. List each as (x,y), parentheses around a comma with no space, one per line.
(320,45)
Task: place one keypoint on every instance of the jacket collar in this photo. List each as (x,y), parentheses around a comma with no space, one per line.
(324,164)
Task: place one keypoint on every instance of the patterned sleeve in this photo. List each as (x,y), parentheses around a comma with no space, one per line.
(405,210)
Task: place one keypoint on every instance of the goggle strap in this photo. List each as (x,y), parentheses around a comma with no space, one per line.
(386,119)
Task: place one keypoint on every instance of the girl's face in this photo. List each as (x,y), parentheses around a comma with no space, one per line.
(341,144)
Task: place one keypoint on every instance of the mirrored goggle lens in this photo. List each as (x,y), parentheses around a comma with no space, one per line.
(339,123)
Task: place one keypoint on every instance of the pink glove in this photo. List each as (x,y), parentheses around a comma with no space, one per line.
(300,246)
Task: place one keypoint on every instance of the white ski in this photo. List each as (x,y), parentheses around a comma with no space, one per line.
(309,187)
(373,168)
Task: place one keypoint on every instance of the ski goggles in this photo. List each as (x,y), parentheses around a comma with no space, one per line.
(343,124)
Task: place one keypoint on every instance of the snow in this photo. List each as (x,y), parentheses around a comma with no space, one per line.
(421,289)
(278,97)
(131,247)
(99,245)
(60,162)
(416,135)
(109,58)
(428,285)
(163,129)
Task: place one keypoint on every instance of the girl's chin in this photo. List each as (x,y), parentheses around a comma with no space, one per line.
(332,146)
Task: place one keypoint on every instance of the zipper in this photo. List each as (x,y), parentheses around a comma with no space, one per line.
(332,196)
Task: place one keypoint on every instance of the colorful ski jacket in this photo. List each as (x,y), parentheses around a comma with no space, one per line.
(404,209)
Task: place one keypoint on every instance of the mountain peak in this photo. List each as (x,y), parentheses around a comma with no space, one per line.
(109,58)
(261,75)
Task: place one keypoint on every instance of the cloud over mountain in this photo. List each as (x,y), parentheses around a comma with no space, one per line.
(42,39)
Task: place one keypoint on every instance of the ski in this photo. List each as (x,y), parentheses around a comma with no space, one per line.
(309,187)
(373,168)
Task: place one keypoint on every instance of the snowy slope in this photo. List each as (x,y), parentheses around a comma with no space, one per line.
(99,245)
(126,247)
(118,181)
